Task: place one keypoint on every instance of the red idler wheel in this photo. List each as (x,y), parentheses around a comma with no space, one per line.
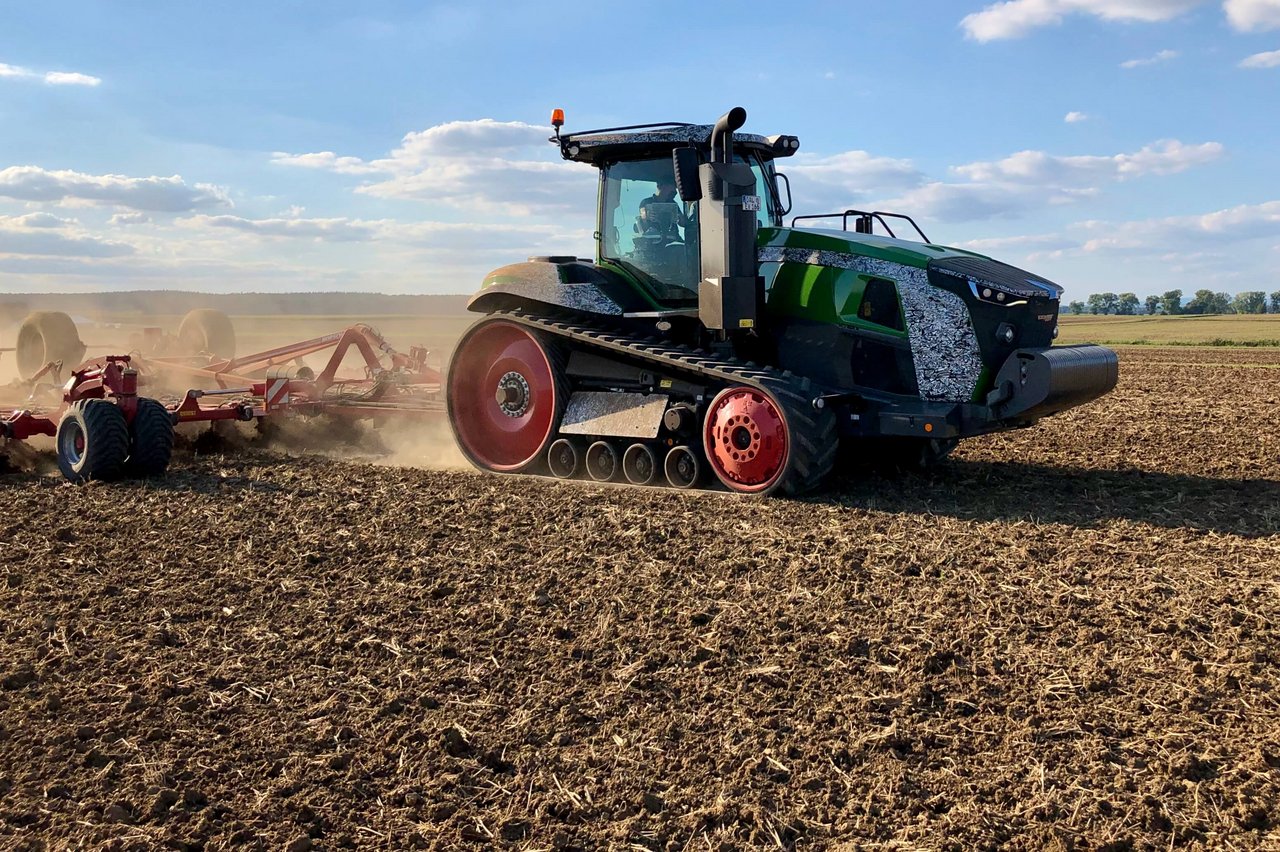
(746,439)
(504,403)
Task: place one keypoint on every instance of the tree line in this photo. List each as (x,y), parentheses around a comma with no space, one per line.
(1203,302)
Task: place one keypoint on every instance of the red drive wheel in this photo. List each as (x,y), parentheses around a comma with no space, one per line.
(746,439)
(503,401)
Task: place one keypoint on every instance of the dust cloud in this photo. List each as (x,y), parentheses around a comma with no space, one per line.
(424,443)
(137,326)
(9,322)
(429,445)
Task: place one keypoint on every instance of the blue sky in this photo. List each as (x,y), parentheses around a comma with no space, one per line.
(1123,145)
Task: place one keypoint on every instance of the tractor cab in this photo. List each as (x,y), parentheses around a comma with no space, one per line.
(650,226)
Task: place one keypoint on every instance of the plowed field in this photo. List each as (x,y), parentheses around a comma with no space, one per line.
(1065,638)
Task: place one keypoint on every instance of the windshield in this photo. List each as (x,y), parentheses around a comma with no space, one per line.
(647,229)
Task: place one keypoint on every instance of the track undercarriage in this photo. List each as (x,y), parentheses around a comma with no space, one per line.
(534,393)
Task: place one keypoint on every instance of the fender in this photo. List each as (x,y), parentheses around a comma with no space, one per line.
(561,282)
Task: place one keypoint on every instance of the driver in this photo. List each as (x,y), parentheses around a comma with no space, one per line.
(665,194)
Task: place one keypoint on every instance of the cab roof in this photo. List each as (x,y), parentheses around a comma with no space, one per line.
(646,141)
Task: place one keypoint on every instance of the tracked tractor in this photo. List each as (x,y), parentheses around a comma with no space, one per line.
(709,344)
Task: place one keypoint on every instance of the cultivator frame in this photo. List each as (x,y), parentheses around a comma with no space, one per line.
(268,384)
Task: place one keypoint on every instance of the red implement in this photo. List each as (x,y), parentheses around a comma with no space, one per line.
(265,384)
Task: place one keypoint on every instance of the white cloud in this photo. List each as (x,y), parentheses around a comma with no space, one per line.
(162,194)
(451,236)
(326,160)
(483,165)
(466,139)
(1212,230)
(323,230)
(129,219)
(23,236)
(97,274)
(855,172)
(1253,15)
(71,78)
(822,183)
(1074,117)
(1029,180)
(53,78)
(1191,235)
(1027,243)
(1037,167)
(37,220)
(1161,56)
(1016,18)
(967,202)
(1269,59)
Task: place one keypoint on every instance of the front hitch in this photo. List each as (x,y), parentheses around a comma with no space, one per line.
(1035,383)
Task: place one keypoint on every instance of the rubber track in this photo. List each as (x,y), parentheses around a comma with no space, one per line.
(813,433)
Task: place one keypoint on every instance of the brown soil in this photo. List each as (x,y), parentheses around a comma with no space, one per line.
(1066,638)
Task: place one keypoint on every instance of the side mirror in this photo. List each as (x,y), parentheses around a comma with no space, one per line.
(685,162)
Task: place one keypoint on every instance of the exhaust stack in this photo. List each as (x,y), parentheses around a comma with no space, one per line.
(731,291)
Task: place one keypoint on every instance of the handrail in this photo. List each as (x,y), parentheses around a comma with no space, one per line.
(865,221)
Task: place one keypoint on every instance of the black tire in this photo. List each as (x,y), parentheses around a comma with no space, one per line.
(152,440)
(46,336)
(93,441)
(205,331)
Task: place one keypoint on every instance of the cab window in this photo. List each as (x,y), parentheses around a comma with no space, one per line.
(647,229)
(768,208)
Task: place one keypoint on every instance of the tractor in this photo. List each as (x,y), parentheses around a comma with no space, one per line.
(708,344)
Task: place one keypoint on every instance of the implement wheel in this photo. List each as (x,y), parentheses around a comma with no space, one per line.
(747,440)
(47,336)
(93,441)
(206,331)
(505,396)
(152,440)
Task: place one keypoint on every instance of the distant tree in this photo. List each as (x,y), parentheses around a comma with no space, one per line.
(1152,304)
(1171,302)
(1275,302)
(1127,304)
(1096,305)
(1077,308)
(1202,302)
(1250,302)
(1222,303)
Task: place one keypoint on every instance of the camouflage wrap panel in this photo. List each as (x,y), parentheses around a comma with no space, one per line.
(944,348)
(699,133)
(548,283)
